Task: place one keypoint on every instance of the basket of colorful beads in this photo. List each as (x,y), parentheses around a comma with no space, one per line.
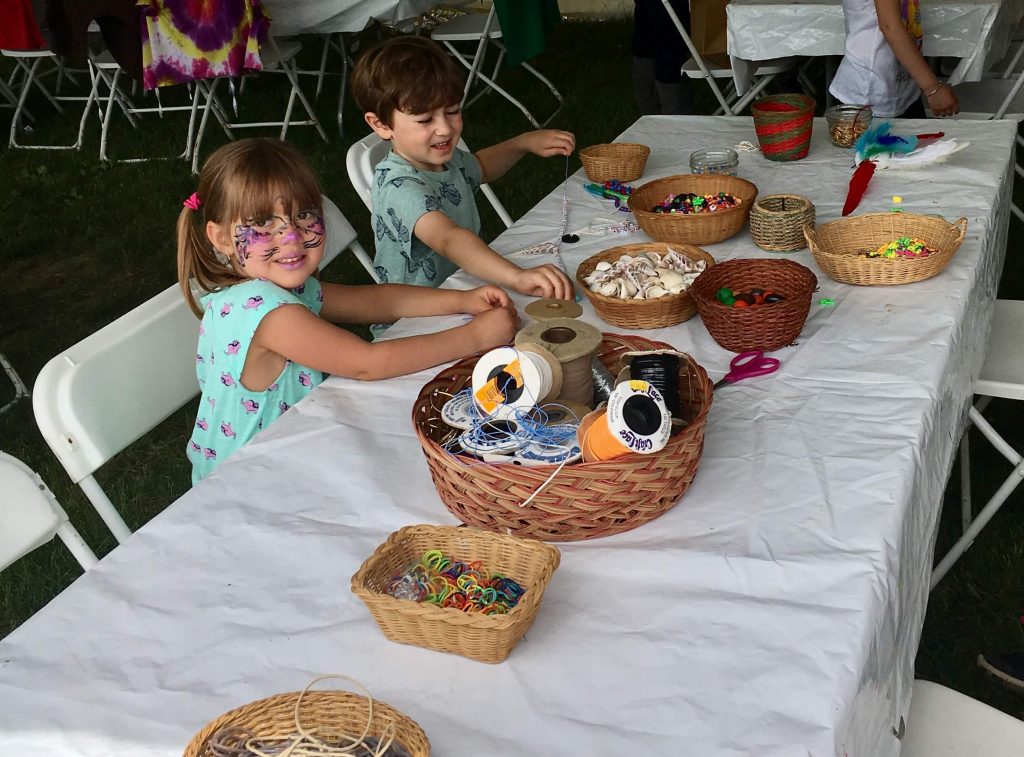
(643,286)
(618,160)
(693,208)
(754,304)
(455,589)
(885,248)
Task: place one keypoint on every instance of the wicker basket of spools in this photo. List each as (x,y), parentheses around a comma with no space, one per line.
(783,124)
(582,500)
(839,247)
(777,222)
(765,328)
(328,715)
(692,228)
(660,312)
(623,161)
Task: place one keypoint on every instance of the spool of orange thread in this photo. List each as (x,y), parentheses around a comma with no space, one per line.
(635,420)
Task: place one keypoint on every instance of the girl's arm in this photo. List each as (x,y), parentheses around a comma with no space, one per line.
(296,334)
(386,303)
(472,254)
(497,159)
(941,98)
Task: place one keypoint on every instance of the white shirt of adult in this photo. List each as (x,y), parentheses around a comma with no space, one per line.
(870,73)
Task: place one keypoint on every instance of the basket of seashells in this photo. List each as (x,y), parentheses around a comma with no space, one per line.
(643,286)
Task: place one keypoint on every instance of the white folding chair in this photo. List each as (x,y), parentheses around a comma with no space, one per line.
(276,58)
(946,723)
(341,235)
(698,67)
(31,516)
(484,29)
(1002,375)
(363,156)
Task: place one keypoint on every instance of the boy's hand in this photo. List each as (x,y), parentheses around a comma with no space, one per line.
(548,142)
(494,327)
(544,281)
(484,298)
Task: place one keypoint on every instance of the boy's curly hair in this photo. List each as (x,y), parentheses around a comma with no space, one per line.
(411,74)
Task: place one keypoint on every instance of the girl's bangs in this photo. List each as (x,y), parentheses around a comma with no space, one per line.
(255,192)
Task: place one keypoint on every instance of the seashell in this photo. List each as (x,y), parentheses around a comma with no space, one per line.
(628,289)
(677,289)
(604,265)
(607,288)
(626,259)
(653,256)
(670,278)
(655,292)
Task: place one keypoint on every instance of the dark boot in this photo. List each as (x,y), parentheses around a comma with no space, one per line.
(643,86)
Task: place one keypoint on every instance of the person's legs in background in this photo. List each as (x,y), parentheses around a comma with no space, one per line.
(658,57)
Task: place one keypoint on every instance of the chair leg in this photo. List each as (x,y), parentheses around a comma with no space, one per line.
(106,509)
(966,509)
(76,546)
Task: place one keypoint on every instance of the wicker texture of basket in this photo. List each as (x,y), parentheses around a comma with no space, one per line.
(837,247)
(692,228)
(323,711)
(487,638)
(624,161)
(641,314)
(583,501)
(768,327)
(783,124)
(777,222)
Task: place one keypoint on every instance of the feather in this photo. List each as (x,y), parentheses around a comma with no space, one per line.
(877,141)
(858,185)
(927,155)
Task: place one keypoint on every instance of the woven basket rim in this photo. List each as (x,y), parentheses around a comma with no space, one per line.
(546,552)
(723,270)
(618,252)
(637,147)
(743,207)
(812,234)
(760,209)
(809,103)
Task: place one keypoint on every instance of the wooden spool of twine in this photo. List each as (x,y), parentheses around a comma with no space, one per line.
(777,222)
(573,343)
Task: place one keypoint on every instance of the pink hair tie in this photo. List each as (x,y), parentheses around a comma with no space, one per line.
(193,202)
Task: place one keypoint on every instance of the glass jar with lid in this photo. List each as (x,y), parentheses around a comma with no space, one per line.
(847,122)
(714,160)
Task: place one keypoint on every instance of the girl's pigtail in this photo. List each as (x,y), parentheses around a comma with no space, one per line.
(190,258)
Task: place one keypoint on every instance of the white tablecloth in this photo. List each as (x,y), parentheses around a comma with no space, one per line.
(976,31)
(775,611)
(329,16)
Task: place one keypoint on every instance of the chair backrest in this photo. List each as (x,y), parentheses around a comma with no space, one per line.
(341,234)
(31,516)
(363,156)
(945,723)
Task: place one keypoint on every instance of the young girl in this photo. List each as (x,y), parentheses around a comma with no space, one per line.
(251,238)
(883,66)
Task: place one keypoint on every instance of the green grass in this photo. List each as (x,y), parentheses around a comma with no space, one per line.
(85,243)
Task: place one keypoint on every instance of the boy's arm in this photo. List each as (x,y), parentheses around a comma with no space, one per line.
(472,254)
(941,98)
(497,159)
(386,303)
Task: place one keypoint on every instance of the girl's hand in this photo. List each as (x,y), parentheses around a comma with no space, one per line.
(544,281)
(944,102)
(548,142)
(494,327)
(484,298)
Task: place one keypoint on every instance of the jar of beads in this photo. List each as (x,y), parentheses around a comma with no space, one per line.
(715,160)
(847,122)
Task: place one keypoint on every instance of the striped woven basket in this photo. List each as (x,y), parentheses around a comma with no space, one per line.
(783,125)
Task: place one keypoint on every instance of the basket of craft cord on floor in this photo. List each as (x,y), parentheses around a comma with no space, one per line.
(487,638)
(332,717)
(581,500)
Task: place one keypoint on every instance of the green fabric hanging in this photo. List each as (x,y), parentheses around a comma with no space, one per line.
(524,27)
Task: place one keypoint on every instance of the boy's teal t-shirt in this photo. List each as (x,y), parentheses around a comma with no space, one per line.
(229,414)
(400,195)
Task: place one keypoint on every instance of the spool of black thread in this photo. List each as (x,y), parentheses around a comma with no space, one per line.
(662,370)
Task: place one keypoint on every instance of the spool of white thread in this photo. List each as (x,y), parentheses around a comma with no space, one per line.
(638,417)
(507,381)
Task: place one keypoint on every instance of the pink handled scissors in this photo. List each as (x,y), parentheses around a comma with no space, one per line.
(747,365)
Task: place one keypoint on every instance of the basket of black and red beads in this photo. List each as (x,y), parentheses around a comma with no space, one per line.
(754,304)
(693,209)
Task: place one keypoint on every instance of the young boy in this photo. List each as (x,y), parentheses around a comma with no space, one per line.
(425,220)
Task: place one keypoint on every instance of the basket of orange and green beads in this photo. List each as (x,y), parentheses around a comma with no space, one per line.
(456,589)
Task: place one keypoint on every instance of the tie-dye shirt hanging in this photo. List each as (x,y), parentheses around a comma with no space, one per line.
(185,40)
(910,12)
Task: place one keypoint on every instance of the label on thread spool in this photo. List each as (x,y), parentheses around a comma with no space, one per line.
(496,437)
(460,411)
(638,417)
(536,454)
(507,380)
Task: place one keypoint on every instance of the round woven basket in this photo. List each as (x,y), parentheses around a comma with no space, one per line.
(641,314)
(838,246)
(783,124)
(624,161)
(692,228)
(582,501)
(777,222)
(768,327)
(322,711)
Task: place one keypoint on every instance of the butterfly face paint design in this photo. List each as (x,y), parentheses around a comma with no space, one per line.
(265,237)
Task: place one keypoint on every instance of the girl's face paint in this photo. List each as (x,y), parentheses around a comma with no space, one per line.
(284,248)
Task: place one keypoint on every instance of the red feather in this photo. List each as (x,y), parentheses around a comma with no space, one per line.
(858,184)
